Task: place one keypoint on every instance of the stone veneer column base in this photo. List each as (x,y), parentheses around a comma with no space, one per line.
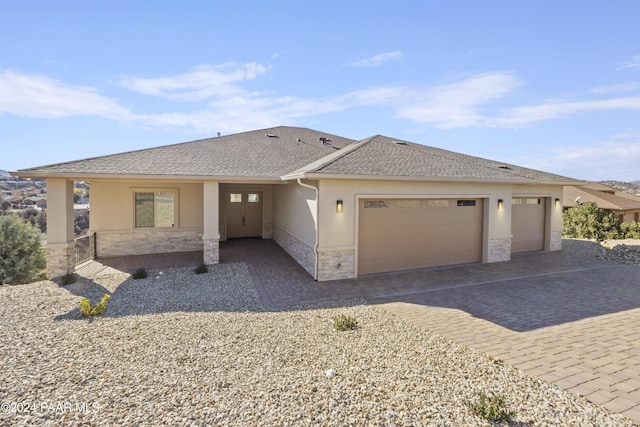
(499,250)
(61,259)
(556,241)
(336,264)
(211,251)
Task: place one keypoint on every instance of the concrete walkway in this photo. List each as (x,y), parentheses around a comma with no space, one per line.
(569,320)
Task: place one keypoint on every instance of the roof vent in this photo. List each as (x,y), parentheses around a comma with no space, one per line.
(299,140)
(399,142)
(270,135)
(218,134)
(505,167)
(325,141)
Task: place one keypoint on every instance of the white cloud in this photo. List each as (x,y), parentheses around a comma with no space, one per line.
(614,158)
(632,64)
(377,60)
(32,95)
(457,104)
(624,87)
(521,116)
(202,82)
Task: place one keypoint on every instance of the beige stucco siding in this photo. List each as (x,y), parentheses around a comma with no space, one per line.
(295,211)
(112,203)
(112,218)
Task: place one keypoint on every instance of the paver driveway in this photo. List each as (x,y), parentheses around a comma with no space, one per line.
(570,320)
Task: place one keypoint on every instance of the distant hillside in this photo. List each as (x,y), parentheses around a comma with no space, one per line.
(4,173)
(628,187)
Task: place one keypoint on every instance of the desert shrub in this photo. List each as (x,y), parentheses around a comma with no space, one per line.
(68,279)
(201,269)
(342,322)
(21,253)
(140,273)
(96,310)
(588,221)
(491,408)
(630,230)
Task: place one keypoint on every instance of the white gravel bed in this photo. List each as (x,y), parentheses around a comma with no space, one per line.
(186,349)
(625,251)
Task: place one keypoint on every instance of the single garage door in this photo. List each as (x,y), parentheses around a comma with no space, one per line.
(527,224)
(401,234)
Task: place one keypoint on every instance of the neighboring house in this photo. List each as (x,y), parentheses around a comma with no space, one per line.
(341,208)
(40,202)
(624,205)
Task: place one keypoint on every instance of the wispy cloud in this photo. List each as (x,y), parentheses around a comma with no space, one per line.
(222,103)
(632,64)
(377,60)
(33,95)
(202,82)
(616,157)
(525,115)
(624,87)
(457,104)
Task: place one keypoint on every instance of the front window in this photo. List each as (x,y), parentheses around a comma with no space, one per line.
(155,209)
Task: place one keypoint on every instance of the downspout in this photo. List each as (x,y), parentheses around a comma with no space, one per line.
(315,246)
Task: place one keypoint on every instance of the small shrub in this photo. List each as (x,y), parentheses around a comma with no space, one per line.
(344,323)
(201,269)
(140,273)
(491,408)
(68,279)
(96,310)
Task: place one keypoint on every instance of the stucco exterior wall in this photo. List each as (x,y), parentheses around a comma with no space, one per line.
(294,222)
(339,231)
(112,218)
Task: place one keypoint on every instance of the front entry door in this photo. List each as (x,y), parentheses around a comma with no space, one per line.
(244,214)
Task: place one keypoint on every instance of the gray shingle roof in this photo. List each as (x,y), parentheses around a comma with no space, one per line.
(251,154)
(384,156)
(291,152)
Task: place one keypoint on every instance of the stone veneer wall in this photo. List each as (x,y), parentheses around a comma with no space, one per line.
(299,251)
(336,264)
(61,259)
(141,242)
(211,251)
(556,241)
(499,250)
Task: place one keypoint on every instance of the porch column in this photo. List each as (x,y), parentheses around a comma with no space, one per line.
(60,243)
(211,235)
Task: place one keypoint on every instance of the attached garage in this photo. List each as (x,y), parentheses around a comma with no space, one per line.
(401,234)
(527,224)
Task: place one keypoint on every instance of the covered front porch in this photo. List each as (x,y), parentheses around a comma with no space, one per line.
(152,218)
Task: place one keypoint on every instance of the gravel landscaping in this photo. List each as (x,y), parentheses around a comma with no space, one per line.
(178,348)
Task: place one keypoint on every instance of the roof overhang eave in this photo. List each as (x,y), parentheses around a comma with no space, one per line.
(82,176)
(317,176)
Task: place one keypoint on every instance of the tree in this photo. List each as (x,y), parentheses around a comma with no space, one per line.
(21,253)
(588,221)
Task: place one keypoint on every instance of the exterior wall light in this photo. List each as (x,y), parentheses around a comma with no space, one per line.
(557,203)
(339,205)
(500,203)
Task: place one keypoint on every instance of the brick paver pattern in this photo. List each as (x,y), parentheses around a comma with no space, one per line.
(572,321)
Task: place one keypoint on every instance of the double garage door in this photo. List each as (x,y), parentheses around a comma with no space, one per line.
(401,234)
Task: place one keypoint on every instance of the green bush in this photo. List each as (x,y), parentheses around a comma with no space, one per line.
(140,273)
(491,408)
(344,323)
(96,310)
(630,230)
(588,221)
(21,254)
(201,269)
(68,279)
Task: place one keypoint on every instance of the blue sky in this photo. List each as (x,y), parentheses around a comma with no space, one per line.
(545,84)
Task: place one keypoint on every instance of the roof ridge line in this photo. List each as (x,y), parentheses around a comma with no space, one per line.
(328,159)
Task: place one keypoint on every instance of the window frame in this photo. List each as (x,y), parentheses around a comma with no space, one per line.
(155,191)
